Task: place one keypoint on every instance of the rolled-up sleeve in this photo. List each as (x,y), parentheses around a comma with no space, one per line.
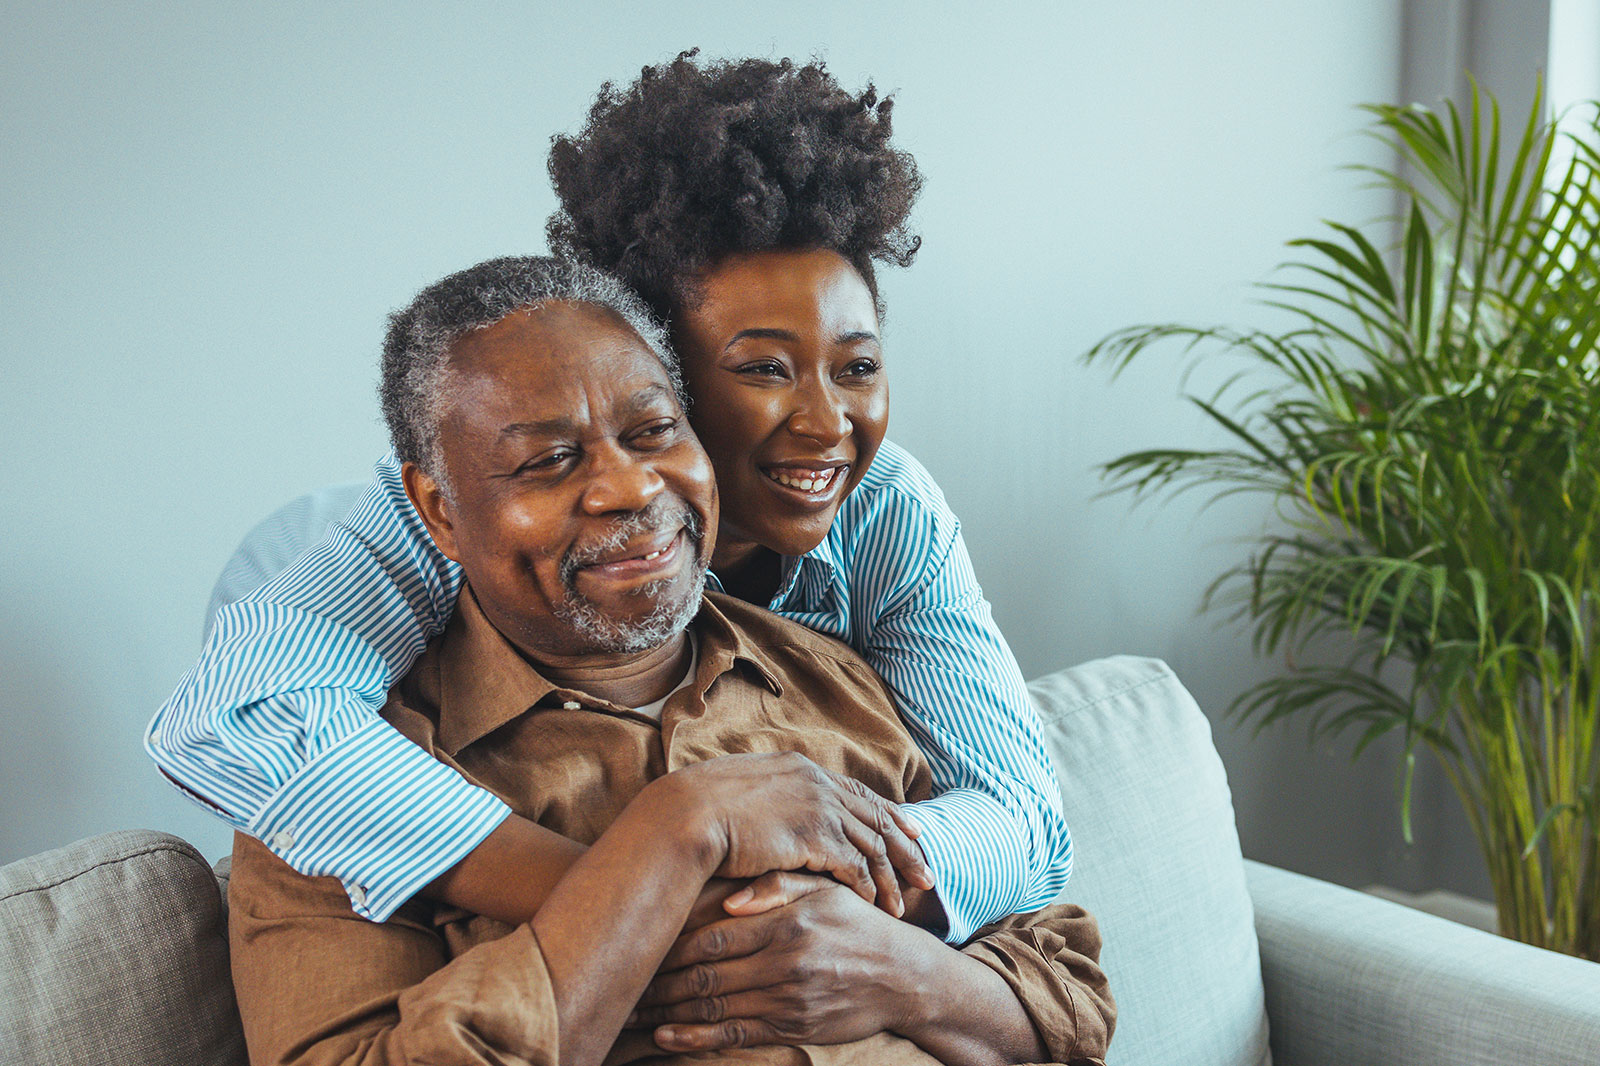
(276,728)
(1051,961)
(318,986)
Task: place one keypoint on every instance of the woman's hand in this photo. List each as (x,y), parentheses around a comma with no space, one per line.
(784,812)
(824,969)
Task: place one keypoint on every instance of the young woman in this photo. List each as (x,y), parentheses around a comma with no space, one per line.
(748,203)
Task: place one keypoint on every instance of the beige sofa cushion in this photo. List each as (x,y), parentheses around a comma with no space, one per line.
(115,950)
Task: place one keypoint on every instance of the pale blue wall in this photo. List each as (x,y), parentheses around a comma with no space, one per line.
(205,214)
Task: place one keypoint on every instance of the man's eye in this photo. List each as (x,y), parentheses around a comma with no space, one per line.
(545,463)
(656,432)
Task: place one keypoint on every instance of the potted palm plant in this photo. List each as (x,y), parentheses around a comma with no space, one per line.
(1429,427)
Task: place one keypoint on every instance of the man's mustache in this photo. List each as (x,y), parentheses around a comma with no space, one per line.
(660,515)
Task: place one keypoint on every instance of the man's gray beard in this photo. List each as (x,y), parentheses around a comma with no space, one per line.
(667,618)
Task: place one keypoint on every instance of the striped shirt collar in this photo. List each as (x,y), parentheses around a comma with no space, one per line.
(803,580)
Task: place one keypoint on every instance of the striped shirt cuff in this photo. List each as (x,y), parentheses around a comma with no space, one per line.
(973,847)
(378,813)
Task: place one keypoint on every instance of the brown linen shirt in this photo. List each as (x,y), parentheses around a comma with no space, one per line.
(317,984)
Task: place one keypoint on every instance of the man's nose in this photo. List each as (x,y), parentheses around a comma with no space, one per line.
(620,480)
(820,414)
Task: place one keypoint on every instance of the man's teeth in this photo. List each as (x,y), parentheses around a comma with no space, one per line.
(804,484)
(652,555)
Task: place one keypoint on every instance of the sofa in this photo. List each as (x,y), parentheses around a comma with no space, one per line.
(114,949)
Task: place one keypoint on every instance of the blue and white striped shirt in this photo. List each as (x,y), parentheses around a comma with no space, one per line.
(276,727)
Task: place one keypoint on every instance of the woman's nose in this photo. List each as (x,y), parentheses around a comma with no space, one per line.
(820,416)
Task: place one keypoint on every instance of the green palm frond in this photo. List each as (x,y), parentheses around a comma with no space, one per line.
(1429,429)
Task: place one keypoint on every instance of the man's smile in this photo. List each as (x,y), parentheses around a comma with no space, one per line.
(652,557)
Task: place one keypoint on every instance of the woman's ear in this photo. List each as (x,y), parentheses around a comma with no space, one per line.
(438,514)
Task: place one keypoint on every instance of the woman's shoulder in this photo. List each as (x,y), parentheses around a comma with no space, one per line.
(897,517)
(896,477)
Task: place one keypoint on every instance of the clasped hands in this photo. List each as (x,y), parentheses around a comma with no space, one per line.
(793,957)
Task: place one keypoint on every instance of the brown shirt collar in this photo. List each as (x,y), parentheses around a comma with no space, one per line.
(484,682)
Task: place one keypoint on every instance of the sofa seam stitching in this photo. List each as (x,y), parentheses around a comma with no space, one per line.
(1103,697)
(148,850)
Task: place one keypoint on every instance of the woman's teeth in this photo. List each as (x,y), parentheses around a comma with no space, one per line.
(805,483)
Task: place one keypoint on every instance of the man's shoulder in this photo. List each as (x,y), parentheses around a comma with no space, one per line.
(820,697)
(793,654)
(762,630)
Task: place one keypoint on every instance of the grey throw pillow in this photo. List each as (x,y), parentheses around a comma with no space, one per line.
(115,950)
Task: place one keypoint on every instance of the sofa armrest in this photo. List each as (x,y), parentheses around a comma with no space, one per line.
(1351,978)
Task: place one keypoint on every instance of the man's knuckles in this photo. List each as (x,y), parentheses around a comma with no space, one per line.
(791,927)
(711,943)
(706,1011)
(701,981)
(795,973)
(873,847)
(733,1033)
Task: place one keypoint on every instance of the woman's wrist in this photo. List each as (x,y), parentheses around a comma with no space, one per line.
(678,814)
(510,873)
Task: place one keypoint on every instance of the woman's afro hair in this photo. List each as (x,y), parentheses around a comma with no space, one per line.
(695,162)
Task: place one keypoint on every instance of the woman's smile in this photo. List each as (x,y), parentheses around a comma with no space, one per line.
(814,483)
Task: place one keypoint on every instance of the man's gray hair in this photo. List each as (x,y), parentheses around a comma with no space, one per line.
(418,343)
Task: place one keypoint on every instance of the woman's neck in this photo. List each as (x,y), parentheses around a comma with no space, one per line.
(752,576)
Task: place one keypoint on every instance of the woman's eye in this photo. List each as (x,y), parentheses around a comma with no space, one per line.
(863,368)
(763,368)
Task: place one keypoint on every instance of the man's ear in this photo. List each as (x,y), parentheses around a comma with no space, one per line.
(428,497)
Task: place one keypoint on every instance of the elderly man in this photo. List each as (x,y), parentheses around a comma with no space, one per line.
(682,739)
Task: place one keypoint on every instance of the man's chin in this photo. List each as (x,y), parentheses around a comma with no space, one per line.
(639,619)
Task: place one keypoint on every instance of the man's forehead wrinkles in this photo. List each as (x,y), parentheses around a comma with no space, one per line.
(544,427)
(642,401)
(647,398)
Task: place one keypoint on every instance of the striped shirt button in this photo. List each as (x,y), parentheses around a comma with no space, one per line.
(283,840)
(357,894)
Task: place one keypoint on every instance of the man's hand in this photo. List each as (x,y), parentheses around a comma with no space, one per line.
(724,896)
(824,969)
(784,812)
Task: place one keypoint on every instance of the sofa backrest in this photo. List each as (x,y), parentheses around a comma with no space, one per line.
(115,950)
(1156,860)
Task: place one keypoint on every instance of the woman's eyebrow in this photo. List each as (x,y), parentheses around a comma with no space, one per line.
(854,336)
(761,333)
